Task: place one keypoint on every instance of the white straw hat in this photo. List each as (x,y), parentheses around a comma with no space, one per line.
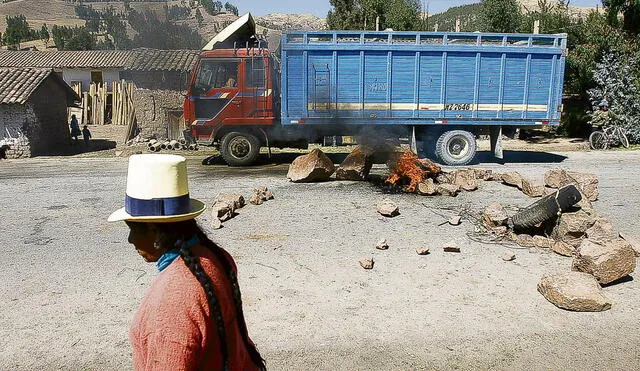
(157,191)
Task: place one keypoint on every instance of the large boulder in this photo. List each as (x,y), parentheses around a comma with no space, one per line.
(532,188)
(448,189)
(512,178)
(572,226)
(602,232)
(586,182)
(483,174)
(574,291)
(608,262)
(427,187)
(356,166)
(563,248)
(466,179)
(312,167)
(494,216)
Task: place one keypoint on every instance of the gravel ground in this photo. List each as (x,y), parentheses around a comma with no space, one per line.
(72,283)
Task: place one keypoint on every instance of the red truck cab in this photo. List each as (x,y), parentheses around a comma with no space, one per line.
(233,101)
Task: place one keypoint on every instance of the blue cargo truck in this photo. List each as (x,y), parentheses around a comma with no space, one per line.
(438,90)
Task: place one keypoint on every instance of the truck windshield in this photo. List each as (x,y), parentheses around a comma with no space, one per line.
(216,74)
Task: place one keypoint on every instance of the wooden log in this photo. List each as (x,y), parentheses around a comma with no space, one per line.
(85,108)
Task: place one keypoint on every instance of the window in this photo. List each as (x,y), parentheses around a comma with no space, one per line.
(216,74)
(255,72)
(96,76)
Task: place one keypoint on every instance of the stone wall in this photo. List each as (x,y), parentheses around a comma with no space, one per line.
(151,110)
(37,127)
(16,119)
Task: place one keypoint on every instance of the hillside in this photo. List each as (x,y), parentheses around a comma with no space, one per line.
(469,15)
(62,13)
(54,12)
(446,21)
(283,22)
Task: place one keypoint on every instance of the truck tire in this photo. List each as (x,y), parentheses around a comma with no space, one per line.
(546,208)
(456,147)
(239,149)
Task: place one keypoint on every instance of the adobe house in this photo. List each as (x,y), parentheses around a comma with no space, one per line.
(74,67)
(160,78)
(33,112)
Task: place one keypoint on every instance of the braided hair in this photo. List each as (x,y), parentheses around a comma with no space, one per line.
(176,234)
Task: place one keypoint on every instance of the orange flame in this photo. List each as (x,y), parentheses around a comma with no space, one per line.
(407,166)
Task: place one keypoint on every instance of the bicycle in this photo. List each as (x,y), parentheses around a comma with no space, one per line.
(609,136)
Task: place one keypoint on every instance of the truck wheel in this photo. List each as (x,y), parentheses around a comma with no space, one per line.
(240,149)
(456,147)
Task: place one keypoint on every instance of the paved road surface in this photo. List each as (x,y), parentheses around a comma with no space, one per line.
(71,283)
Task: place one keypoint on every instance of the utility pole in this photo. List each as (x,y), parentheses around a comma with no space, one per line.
(536,26)
(378,23)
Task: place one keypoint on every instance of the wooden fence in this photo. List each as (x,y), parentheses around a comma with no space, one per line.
(101,105)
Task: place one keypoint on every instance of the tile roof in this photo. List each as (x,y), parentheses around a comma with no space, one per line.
(17,84)
(61,59)
(163,60)
(137,59)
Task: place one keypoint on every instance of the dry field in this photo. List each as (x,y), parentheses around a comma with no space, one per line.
(39,12)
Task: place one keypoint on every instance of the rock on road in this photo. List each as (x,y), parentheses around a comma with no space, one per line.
(71,282)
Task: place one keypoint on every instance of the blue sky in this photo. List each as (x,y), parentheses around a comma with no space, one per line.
(320,8)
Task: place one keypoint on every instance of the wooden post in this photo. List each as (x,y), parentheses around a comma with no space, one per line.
(536,26)
(85,108)
(435,27)
(378,23)
(457,24)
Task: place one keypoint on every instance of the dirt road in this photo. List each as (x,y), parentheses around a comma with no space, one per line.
(71,282)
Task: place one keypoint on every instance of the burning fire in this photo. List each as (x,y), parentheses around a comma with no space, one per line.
(408,167)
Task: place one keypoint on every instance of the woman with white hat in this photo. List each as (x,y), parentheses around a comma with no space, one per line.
(191,318)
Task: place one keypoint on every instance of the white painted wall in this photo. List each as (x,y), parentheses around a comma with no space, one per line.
(84,75)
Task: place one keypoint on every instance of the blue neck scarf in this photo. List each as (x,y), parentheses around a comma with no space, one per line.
(171,255)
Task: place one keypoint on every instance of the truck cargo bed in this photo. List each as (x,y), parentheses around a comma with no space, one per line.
(414,78)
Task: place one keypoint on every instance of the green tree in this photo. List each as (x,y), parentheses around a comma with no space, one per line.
(231,8)
(616,79)
(44,35)
(500,15)
(403,15)
(630,10)
(82,39)
(17,30)
(199,17)
(345,15)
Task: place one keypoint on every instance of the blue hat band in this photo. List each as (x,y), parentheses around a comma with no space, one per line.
(157,206)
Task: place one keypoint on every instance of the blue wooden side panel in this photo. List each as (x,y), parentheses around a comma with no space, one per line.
(348,84)
(514,86)
(376,65)
(403,80)
(539,81)
(294,84)
(377,80)
(461,71)
(430,84)
(489,88)
(320,102)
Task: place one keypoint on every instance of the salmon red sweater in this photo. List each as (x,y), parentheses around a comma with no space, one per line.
(173,329)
